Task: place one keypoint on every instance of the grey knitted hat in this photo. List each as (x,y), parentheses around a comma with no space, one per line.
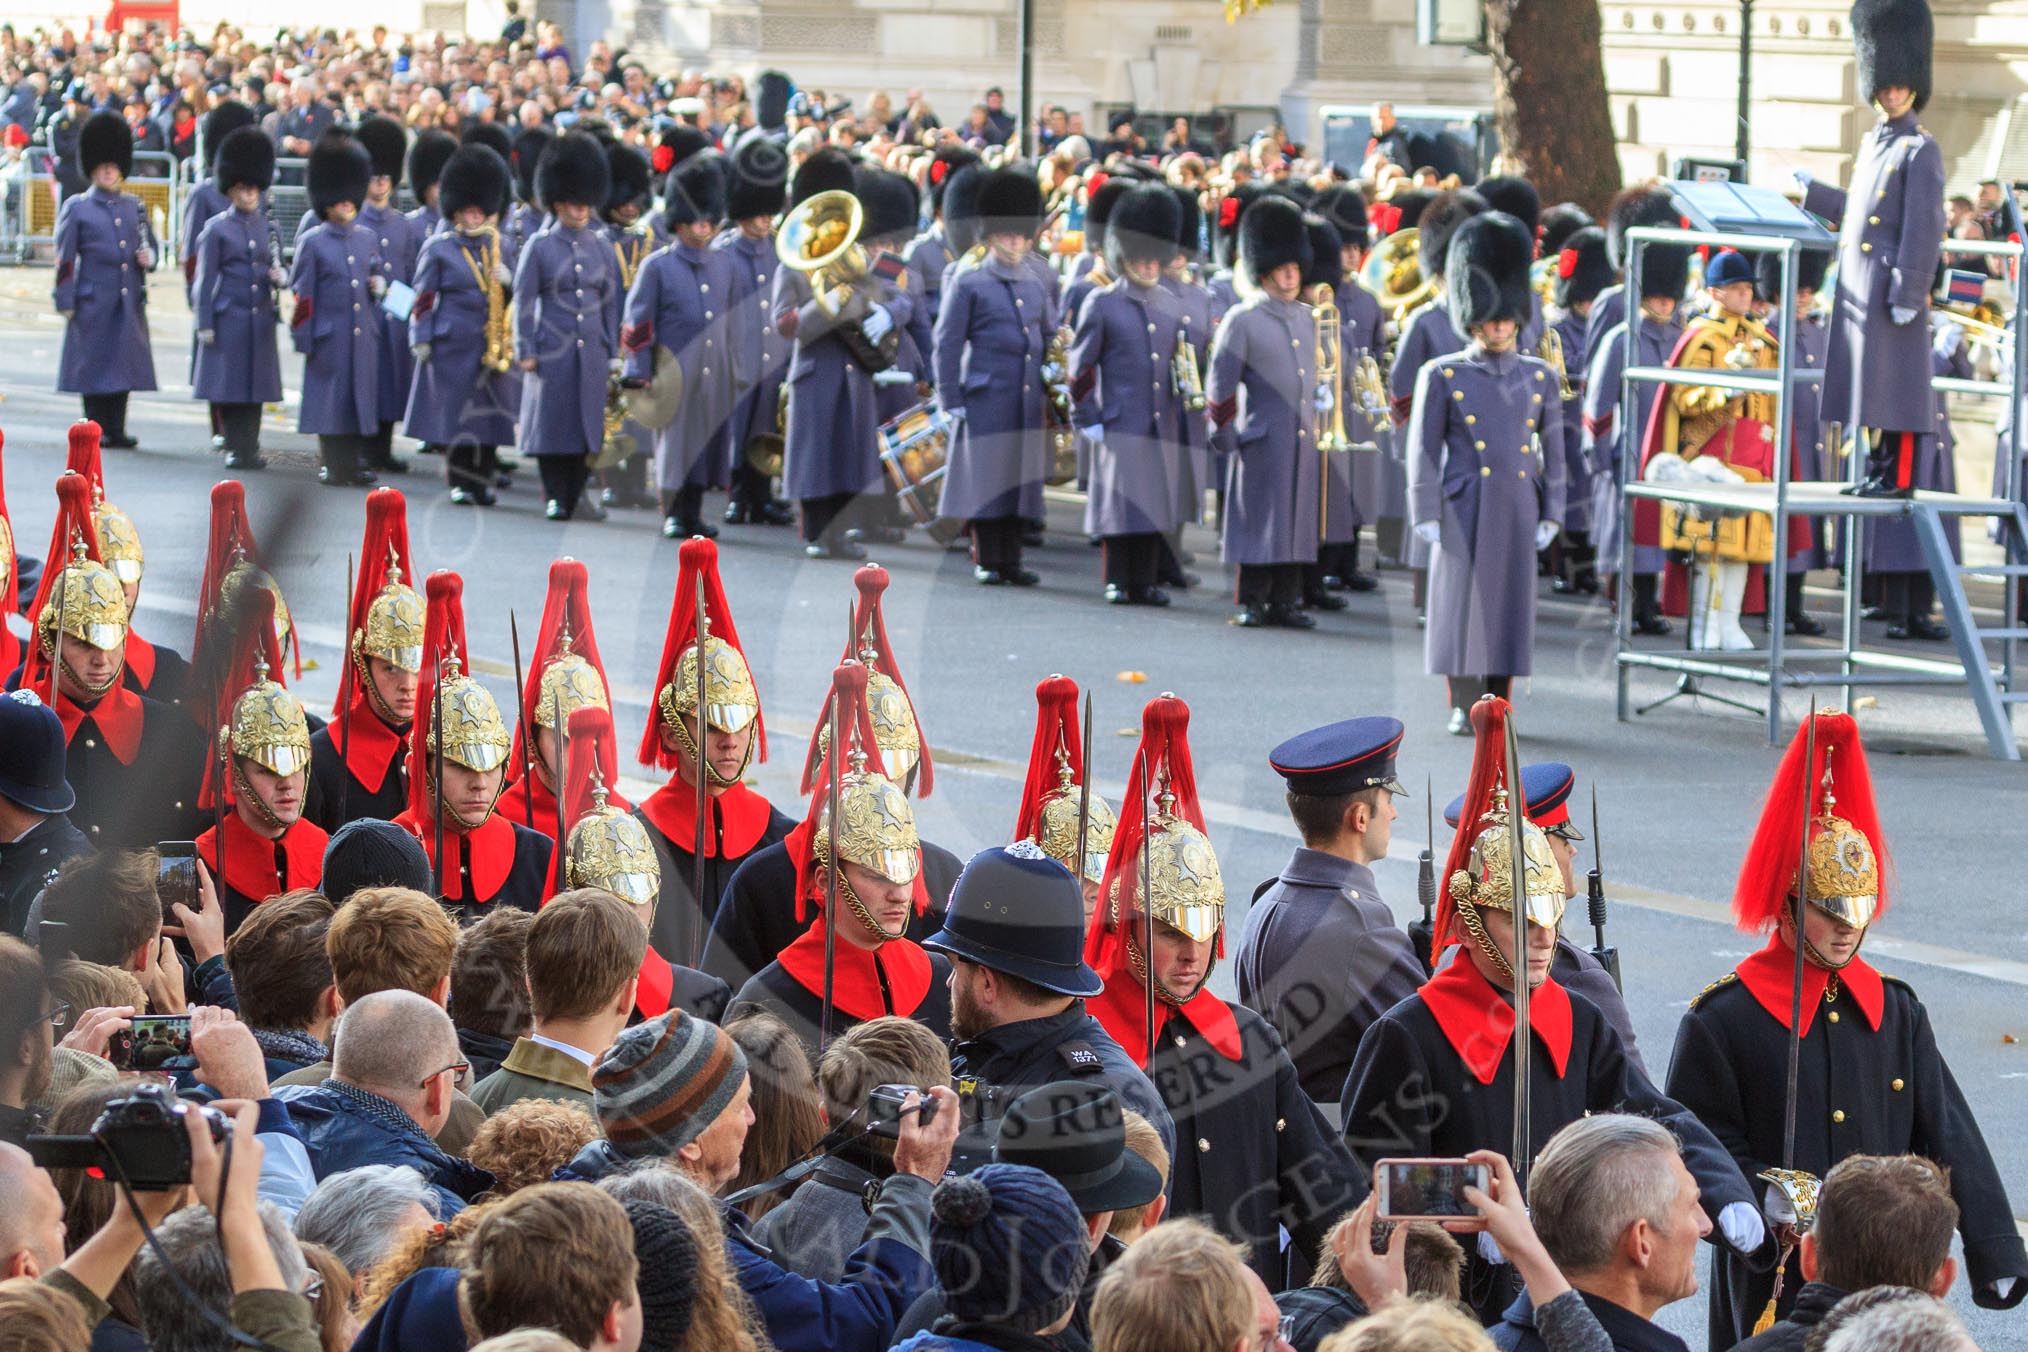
(663,1082)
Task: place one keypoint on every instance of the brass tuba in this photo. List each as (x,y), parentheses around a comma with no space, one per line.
(821,239)
(1330,368)
(1393,273)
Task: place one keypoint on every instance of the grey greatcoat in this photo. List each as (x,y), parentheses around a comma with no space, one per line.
(632,247)
(763,350)
(1890,230)
(1200,319)
(993,328)
(1425,334)
(1570,330)
(833,443)
(683,302)
(202,203)
(1891,542)
(400,239)
(1360,322)
(1812,339)
(1321,958)
(233,297)
(1610,438)
(453,401)
(1120,378)
(567,319)
(100,282)
(926,257)
(336,327)
(1485,460)
(1261,393)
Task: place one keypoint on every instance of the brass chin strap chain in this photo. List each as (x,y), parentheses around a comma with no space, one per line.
(864,916)
(665,703)
(1469,914)
(1162,991)
(245,789)
(54,651)
(366,683)
(451,814)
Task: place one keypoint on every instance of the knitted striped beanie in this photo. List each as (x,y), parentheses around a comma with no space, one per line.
(663,1083)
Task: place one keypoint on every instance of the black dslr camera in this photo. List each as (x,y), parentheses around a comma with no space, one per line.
(883,1108)
(139,1140)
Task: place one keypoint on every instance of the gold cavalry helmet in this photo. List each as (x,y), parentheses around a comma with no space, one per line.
(1185,888)
(876,827)
(1487,880)
(233,600)
(569,683)
(731,703)
(1058,835)
(610,849)
(119,541)
(473,733)
(91,602)
(893,727)
(1844,874)
(268,726)
(393,631)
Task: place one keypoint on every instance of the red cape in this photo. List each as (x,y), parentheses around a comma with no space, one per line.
(119,716)
(1769,976)
(370,746)
(1479,1023)
(1123,1008)
(856,973)
(743,817)
(250,858)
(489,851)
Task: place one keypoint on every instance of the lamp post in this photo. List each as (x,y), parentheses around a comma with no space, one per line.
(1743,138)
(1024,115)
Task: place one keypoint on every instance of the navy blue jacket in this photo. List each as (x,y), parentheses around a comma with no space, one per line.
(345,1127)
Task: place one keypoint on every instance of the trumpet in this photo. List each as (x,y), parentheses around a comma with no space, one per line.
(821,238)
(1330,354)
(1183,371)
(1550,350)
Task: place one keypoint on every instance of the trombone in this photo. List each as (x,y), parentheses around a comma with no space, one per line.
(1330,355)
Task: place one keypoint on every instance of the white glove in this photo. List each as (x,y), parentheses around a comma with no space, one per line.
(421,352)
(1429,532)
(207,336)
(1667,467)
(1804,178)
(1900,316)
(1742,1225)
(616,365)
(1324,399)
(377,284)
(145,256)
(1489,1248)
(1545,531)
(1095,434)
(876,324)
(277,276)
(501,276)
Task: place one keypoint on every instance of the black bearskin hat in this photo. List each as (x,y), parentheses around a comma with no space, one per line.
(1098,209)
(758,171)
(675,145)
(426,160)
(826,169)
(247,156)
(573,169)
(961,207)
(1344,207)
(221,122)
(1010,201)
(105,139)
(946,162)
(1189,223)
(1632,207)
(1409,207)
(1447,212)
(491,135)
(630,178)
(1559,223)
(1232,209)
(892,209)
(475,176)
(1486,270)
(1271,233)
(386,142)
(1514,195)
(1582,267)
(528,147)
(1811,264)
(338,170)
(695,192)
(1326,266)
(771,100)
(1892,39)
(1145,225)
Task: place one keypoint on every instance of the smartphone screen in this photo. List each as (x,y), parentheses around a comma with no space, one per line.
(152,1042)
(1428,1189)
(176,876)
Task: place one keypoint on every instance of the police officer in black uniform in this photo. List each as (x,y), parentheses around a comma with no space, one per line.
(1014,932)
(35,835)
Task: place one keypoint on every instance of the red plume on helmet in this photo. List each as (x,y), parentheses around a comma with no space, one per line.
(1489,773)
(74,521)
(698,557)
(1767,876)
(869,631)
(567,606)
(252,642)
(443,637)
(1055,729)
(592,747)
(232,539)
(1161,765)
(848,694)
(386,524)
(10,646)
(83,456)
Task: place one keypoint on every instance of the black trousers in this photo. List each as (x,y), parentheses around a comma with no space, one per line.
(630,476)
(820,514)
(1891,456)
(380,447)
(996,542)
(343,454)
(750,487)
(1908,596)
(563,478)
(467,466)
(1465,690)
(1133,562)
(1270,584)
(239,424)
(685,504)
(109,411)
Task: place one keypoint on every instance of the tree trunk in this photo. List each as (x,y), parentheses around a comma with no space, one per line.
(1549,98)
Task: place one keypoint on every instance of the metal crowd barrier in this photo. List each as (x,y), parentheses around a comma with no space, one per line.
(34,198)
